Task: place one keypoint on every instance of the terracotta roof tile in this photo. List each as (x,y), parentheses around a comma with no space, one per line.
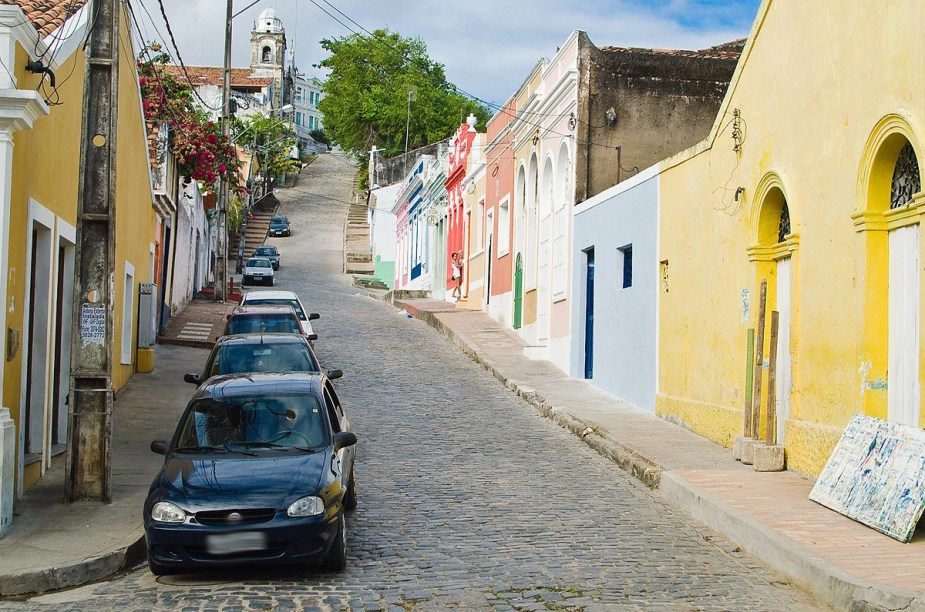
(214,75)
(47,15)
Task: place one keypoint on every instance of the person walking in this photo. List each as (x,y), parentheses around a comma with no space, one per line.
(457,266)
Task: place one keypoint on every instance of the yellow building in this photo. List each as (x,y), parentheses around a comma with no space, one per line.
(41,125)
(809,180)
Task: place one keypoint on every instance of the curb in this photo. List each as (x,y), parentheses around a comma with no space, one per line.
(189,343)
(82,572)
(783,555)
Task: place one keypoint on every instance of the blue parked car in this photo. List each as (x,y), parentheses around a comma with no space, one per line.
(259,470)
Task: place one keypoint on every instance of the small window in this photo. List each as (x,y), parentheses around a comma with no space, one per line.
(626,254)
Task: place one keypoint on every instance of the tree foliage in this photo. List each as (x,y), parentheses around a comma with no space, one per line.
(271,139)
(368,88)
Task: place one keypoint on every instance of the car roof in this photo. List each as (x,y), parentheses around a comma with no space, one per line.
(262,383)
(268,338)
(275,294)
(259,309)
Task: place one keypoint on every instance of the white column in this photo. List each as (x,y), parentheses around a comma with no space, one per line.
(7,463)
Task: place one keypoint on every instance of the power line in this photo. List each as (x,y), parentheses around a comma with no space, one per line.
(180,58)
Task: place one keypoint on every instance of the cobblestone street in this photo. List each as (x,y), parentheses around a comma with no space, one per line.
(468,499)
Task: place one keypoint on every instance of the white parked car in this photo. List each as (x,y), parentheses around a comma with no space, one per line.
(258,270)
(287,298)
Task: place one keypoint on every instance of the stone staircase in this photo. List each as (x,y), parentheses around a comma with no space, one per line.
(257,226)
(358,258)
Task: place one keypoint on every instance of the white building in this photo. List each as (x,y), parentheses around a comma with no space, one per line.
(307,93)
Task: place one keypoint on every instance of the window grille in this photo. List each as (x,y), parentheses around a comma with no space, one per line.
(783,227)
(906,179)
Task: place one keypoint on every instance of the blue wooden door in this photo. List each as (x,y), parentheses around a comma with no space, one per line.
(589,313)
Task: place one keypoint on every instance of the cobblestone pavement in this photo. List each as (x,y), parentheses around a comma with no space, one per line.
(468,499)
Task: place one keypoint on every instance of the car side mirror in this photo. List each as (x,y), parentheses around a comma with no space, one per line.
(343,439)
(312,337)
(335,374)
(191,378)
(160,446)
(314,316)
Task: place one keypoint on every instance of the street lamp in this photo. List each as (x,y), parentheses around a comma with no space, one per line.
(412,95)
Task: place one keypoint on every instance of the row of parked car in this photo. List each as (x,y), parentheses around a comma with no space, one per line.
(261,266)
(261,467)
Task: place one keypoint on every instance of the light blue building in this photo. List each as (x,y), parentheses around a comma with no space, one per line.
(615,273)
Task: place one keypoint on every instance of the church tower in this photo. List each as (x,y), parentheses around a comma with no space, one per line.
(268,54)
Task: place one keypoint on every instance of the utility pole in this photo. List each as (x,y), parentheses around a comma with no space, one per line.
(89,443)
(221,286)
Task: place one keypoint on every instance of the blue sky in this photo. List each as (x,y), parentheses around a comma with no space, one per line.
(487,46)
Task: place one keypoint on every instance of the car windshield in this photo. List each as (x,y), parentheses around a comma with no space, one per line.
(277,422)
(265,251)
(240,358)
(279,220)
(258,263)
(266,323)
(277,302)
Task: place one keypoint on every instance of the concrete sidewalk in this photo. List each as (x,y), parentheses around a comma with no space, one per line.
(53,545)
(198,325)
(768,515)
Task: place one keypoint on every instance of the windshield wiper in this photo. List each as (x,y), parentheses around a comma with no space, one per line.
(277,446)
(227,446)
(197,449)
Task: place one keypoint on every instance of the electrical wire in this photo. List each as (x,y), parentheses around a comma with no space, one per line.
(180,58)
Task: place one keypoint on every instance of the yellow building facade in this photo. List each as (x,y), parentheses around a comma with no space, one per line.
(809,180)
(42,237)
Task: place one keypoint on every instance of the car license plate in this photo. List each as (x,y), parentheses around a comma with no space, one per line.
(229,543)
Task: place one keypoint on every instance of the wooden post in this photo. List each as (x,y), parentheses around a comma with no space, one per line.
(771,422)
(749,373)
(759,361)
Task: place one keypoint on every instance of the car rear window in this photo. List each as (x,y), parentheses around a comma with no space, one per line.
(240,358)
(277,302)
(265,251)
(268,324)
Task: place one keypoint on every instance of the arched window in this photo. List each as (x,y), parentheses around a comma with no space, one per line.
(783,226)
(267,56)
(906,179)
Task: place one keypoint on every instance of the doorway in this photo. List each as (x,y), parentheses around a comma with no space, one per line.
(903,323)
(518,291)
(589,313)
(490,223)
(783,374)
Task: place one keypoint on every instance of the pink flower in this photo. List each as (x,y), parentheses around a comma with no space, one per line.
(222,168)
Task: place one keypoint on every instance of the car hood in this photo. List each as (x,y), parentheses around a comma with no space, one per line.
(272,480)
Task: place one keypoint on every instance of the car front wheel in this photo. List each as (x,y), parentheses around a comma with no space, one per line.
(337,557)
(271,281)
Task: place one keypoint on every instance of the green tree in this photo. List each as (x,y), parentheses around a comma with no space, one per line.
(367,92)
(271,139)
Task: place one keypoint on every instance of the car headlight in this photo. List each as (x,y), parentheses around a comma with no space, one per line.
(306,506)
(166,512)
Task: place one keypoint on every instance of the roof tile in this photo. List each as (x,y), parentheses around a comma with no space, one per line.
(47,15)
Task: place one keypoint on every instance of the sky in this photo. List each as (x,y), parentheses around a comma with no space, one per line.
(488,47)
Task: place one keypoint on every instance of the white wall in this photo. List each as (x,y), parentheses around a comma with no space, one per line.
(625,319)
(191,258)
(383,222)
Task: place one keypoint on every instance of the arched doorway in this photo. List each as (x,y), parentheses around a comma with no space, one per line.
(774,253)
(889,219)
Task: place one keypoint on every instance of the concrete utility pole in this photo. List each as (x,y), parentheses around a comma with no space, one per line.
(89,466)
(221,285)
